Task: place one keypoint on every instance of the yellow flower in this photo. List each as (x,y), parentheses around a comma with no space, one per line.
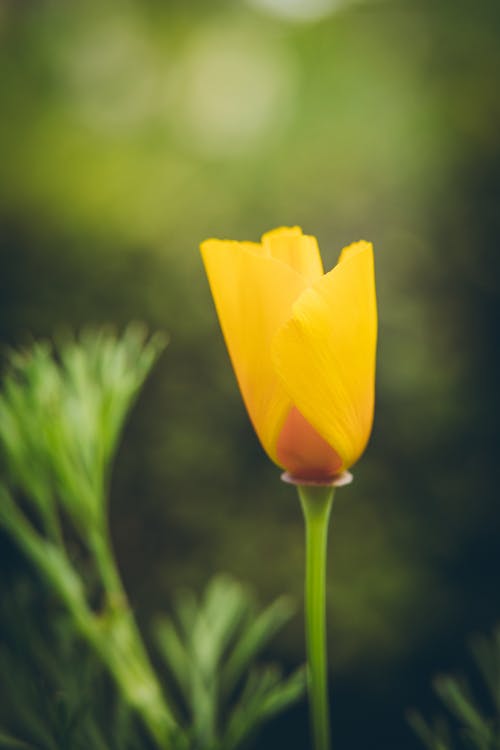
(302,344)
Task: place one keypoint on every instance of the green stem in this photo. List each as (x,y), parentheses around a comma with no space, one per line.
(100,545)
(113,632)
(120,645)
(316,504)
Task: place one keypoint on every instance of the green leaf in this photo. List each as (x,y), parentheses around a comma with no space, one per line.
(434,738)
(62,410)
(454,696)
(210,646)
(257,635)
(175,654)
(7,741)
(474,722)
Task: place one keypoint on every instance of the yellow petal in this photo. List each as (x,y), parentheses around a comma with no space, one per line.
(325,353)
(253,295)
(300,251)
(353,249)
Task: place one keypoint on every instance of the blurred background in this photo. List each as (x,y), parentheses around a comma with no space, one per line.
(131,131)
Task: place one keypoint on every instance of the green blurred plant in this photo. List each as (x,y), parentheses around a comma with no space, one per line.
(473,723)
(55,693)
(210,647)
(62,410)
(61,414)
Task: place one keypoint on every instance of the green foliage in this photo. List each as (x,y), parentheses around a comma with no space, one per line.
(61,413)
(210,647)
(55,693)
(58,696)
(472,724)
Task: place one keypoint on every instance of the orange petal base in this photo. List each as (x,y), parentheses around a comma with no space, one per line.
(304,453)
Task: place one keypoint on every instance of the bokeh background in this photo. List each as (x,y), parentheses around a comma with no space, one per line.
(129,132)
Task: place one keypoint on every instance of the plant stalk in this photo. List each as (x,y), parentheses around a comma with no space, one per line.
(120,645)
(316,504)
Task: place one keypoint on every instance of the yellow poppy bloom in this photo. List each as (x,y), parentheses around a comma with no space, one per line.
(302,344)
